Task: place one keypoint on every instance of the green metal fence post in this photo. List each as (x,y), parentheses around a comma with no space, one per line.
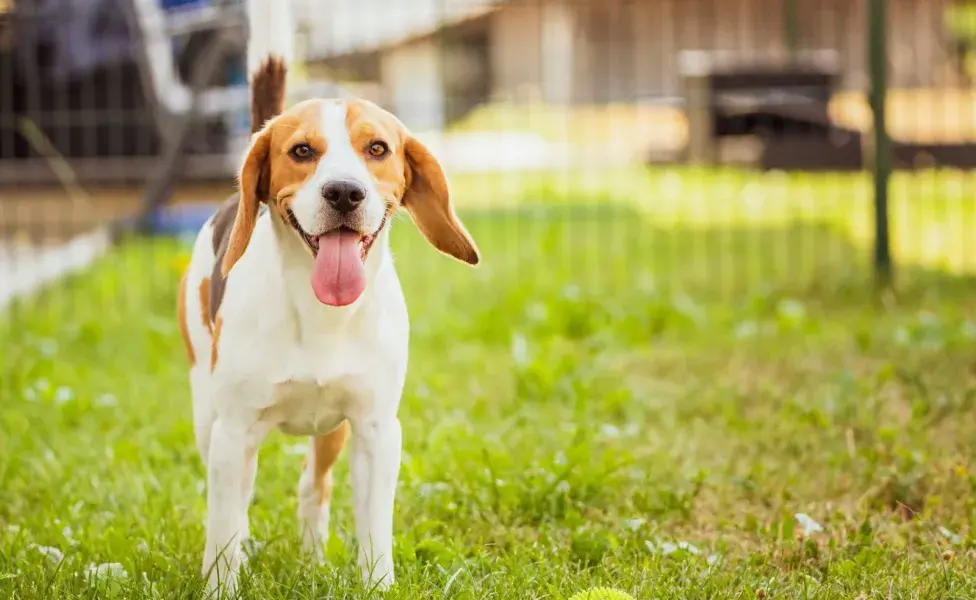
(792,27)
(882,144)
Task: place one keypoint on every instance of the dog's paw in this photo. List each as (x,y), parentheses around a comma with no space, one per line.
(221,586)
(314,553)
(313,546)
(221,574)
(378,576)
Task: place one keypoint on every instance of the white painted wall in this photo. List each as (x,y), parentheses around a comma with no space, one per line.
(515,52)
(614,50)
(413,85)
(342,26)
(557,48)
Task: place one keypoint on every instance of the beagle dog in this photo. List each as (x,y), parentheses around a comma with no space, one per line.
(292,312)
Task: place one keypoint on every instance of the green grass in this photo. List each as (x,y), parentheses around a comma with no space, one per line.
(960,19)
(931,213)
(578,409)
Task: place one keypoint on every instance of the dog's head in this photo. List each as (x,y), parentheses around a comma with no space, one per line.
(335,171)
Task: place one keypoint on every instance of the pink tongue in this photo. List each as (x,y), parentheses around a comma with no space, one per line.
(339,276)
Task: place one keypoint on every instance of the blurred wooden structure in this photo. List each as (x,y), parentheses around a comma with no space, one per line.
(441,60)
(785,107)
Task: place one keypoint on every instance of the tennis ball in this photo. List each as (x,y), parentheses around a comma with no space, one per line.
(602,593)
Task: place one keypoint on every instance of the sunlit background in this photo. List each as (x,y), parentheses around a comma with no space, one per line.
(690,326)
(601,103)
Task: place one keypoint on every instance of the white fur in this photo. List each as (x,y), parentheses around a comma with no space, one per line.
(271,31)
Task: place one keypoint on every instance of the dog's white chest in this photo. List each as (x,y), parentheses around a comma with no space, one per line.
(309,408)
(326,380)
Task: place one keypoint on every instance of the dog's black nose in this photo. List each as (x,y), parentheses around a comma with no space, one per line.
(344,196)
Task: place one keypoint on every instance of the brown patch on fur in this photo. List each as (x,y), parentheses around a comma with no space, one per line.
(282,206)
(271,174)
(205,304)
(327,450)
(367,124)
(223,221)
(254,191)
(428,201)
(267,102)
(181,315)
(267,92)
(412,174)
(214,342)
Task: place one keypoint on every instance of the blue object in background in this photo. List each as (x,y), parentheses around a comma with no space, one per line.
(171,4)
(184,220)
(95,36)
(181,219)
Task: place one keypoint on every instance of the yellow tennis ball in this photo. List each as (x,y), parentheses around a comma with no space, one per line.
(602,593)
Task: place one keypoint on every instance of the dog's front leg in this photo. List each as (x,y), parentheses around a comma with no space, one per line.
(227,467)
(375,467)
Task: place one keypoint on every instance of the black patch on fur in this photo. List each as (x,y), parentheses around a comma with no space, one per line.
(223,224)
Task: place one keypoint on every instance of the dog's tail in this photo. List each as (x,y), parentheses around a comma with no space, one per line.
(270,49)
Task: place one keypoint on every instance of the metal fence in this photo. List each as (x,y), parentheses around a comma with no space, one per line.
(734,138)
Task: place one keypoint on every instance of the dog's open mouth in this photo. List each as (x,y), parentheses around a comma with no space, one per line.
(365,240)
(339,274)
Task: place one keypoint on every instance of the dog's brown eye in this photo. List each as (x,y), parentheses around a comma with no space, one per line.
(301,151)
(378,149)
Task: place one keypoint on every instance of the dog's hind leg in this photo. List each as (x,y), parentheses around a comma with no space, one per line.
(315,487)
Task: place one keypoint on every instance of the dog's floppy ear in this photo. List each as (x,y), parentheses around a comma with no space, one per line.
(254,182)
(428,201)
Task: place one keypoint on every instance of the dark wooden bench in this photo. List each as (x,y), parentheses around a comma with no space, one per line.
(785,105)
